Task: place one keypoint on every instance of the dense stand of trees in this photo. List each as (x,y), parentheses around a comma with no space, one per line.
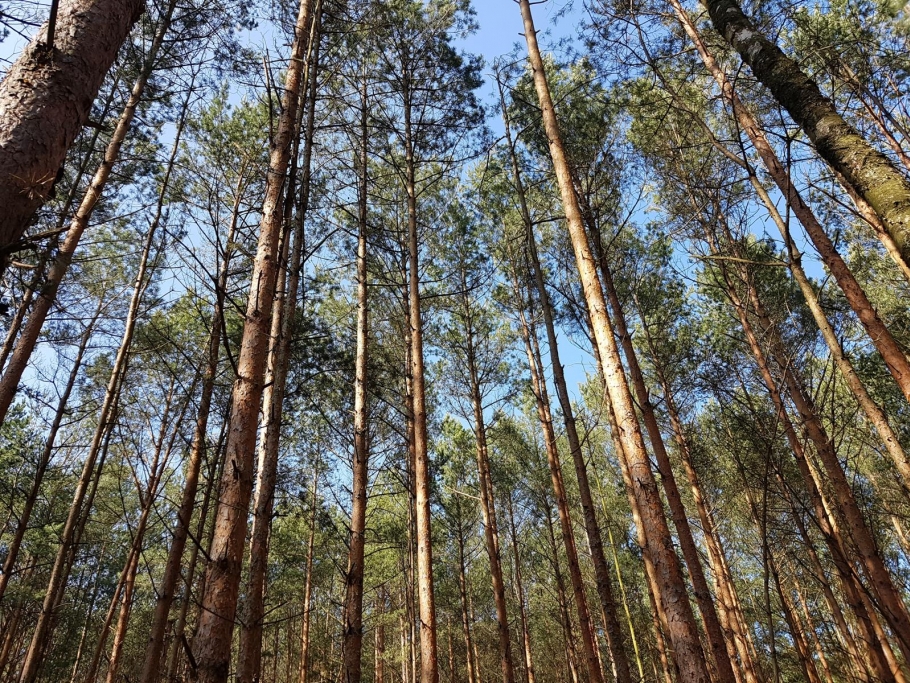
(335,353)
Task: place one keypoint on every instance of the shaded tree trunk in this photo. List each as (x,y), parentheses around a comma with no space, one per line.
(45,100)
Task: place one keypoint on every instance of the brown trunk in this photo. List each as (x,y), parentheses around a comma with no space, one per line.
(379,640)
(713,630)
(80,507)
(429,671)
(168,585)
(485,480)
(520,595)
(832,538)
(735,629)
(799,639)
(683,631)
(308,587)
(465,617)
(615,639)
(538,386)
(813,633)
(46,98)
(881,337)
(866,169)
(9,383)
(219,603)
(352,644)
(562,602)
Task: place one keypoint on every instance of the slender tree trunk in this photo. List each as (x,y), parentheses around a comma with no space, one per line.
(379,640)
(810,627)
(25,516)
(308,586)
(167,587)
(429,671)
(352,645)
(561,600)
(615,639)
(71,533)
(219,603)
(46,98)
(539,388)
(9,382)
(866,169)
(465,617)
(683,630)
(839,555)
(520,595)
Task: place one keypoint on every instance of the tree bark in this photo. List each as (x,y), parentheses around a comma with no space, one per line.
(46,98)
(520,595)
(683,630)
(308,586)
(352,646)
(868,170)
(60,263)
(219,603)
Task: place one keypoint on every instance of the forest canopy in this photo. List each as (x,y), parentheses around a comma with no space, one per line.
(334,352)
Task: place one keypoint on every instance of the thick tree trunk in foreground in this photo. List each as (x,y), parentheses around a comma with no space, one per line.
(46,98)
(25,345)
(878,333)
(683,630)
(212,643)
(870,172)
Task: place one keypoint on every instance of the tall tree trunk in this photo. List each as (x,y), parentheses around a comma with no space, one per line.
(538,386)
(352,645)
(487,493)
(45,100)
(25,346)
(832,538)
(470,663)
(562,602)
(81,507)
(520,595)
(683,630)
(308,586)
(284,310)
(429,671)
(219,604)
(615,638)
(866,169)
(881,337)
(726,589)
(168,585)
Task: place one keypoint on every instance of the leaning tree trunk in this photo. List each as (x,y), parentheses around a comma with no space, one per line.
(219,603)
(520,596)
(867,170)
(538,387)
(168,585)
(878,333)
(615,639)
(46,98)
(683,630)
(25,345)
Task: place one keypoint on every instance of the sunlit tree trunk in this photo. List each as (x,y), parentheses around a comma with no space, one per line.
(212,643)
(683,631)
(520,596)
(308,586)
